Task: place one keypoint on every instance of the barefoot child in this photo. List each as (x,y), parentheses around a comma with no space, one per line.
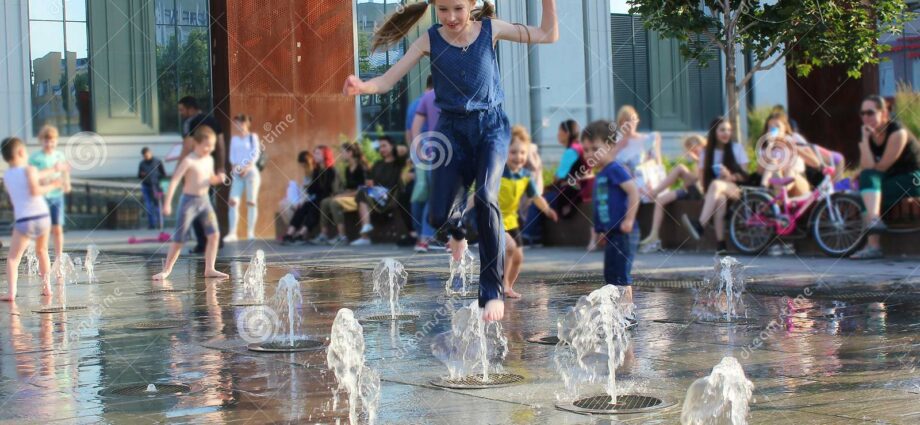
(198,170)
(517,182)
(616,201)
(26,187)
(468,91)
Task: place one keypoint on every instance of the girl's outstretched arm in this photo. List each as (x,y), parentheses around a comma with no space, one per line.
(384,83)
(546,33)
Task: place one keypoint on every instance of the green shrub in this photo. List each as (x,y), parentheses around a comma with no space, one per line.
(907,107)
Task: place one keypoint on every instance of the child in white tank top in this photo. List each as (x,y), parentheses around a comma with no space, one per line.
(26,187)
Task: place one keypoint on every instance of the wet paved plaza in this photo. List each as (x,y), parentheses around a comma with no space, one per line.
(812,361)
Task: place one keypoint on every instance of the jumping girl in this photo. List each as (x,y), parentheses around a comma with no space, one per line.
(468,90)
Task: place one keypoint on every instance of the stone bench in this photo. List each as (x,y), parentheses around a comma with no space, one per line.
(575,231)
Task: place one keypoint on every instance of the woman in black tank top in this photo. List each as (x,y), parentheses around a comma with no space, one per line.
(889,157)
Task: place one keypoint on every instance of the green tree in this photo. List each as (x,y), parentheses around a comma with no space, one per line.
(807,33)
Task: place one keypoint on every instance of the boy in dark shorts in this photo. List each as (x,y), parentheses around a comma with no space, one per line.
(616,202)
(197,168)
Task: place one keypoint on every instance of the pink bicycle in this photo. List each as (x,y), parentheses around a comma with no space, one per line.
(834,221)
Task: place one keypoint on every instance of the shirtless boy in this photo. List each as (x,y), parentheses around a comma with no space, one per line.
(198,170)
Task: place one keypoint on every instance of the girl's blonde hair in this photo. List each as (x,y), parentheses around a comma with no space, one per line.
(48,130)
(695,140)
(395,28)
(625,113)
(519,132)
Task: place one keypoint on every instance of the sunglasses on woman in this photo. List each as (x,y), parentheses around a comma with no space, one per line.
(867,113)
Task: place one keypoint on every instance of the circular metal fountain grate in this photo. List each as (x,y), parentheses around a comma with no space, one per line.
(474,382)
(544,339)
(157,324)
(284,347)
(140,390)
(390,317)
(629,403)
(59,309)
(163,291)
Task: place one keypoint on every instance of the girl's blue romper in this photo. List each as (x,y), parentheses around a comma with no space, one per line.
(468,90)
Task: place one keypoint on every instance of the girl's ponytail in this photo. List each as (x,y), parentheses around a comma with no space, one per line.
(398,25)
(487,11)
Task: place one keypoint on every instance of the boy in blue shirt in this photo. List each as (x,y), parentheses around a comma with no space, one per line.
(616,201)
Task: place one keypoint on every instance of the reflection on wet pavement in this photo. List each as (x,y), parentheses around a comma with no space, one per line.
(811,361)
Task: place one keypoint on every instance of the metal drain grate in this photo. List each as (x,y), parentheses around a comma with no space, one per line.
(244,303)
(629,403)
(473,382)
(163,291)
(460,294)
(390,317)
(141,390)
(740,321)
(59,309)
(156,324)
(714,322)
(544,339)
(284,347)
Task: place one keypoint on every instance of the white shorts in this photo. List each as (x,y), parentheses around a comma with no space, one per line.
(33,227)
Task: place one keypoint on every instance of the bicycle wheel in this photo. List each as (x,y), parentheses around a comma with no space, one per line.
(751,223)
(838,226)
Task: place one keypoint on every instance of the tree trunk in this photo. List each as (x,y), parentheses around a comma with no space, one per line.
(731,92)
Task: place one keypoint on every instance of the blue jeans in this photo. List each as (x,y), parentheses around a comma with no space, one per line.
(151,205)
(478,151)
(618,258)
(420,210)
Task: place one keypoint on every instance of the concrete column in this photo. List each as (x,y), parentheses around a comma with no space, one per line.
(15,70)
(515,68)
(598,60)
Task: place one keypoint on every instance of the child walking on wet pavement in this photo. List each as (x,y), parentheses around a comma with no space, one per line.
(616,202)
(197,169)
(468,91)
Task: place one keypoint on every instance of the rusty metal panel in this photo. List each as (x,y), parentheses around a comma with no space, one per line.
(286,62)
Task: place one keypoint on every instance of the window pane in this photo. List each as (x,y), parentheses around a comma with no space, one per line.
(194,65)
(75,10)
(193,12)
(46,9)
(388,110)
(167,78)
(47,73)
(77,90)
(165,12)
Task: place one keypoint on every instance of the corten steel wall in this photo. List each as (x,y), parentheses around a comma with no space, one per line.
(826,106)
(283,62)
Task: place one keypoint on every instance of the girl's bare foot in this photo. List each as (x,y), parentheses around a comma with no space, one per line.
(493,311)
(46,290)
(8,298)
(509,293)
(215,273)
(457,248)
(162,276)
